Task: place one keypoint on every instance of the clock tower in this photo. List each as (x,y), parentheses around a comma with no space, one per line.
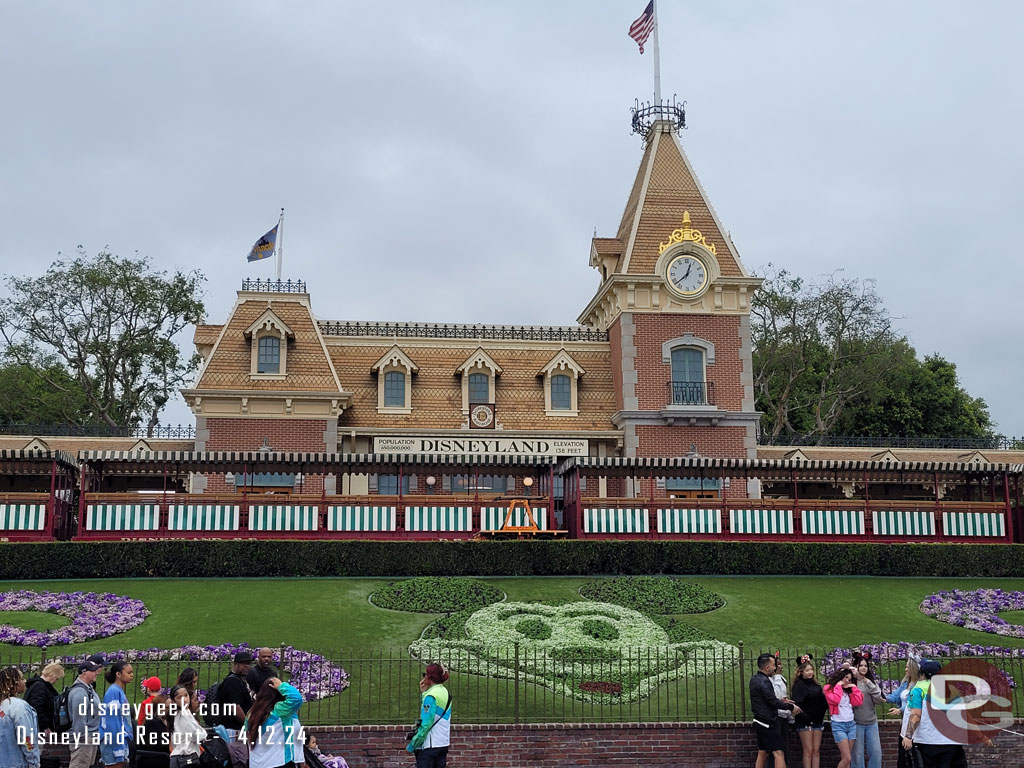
(674,298)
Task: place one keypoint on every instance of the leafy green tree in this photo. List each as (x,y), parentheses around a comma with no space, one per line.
(109,322)
(49,396)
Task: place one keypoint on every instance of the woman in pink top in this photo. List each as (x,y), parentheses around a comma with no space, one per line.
(842,695)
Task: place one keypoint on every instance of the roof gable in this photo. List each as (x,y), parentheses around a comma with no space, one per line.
(395,357)
(479,359)
(562,361)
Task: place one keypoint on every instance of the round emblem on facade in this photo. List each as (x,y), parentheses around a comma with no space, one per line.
(482,415)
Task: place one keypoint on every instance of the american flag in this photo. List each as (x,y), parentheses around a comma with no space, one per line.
(640,29)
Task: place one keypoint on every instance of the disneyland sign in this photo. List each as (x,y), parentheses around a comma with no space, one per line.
(500,446)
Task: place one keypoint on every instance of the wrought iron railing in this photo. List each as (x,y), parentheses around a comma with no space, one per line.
(692,392)
(526,683)
(274,286)
(460,331)
(993,443)
(646,113)
(168,431)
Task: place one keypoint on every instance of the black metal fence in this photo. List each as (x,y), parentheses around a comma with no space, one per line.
(523,683)
(993,443)
(458,331)
(169,431)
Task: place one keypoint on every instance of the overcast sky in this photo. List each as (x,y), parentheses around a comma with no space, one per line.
(449,161)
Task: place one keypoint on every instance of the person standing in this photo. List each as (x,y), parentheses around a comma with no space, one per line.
(842,695)
(41,695)
(765,706)
(935,749)
(810,723)
(268,729)
(84,709)
(234,697)
(432,739)
(187,733)
(117,729)
(786,718)
(899,697)
(151,687)
(19,735)
(262,670)
(868,743)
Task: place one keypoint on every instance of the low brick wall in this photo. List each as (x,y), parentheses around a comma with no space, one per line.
(644,745)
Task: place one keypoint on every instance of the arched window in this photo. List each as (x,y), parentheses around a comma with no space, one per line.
(394,389)
(479,388)
(688,385)
(561,393)
(269,356)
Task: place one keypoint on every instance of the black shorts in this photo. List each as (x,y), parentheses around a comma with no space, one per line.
(768,739)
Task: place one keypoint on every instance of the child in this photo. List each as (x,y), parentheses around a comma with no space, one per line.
(329,761)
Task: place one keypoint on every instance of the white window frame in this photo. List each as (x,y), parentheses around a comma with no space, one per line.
(707,352)
(478,362)
(268,325)
(562,364)
(394,360)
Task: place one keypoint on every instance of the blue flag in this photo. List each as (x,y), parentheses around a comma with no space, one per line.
(264,247)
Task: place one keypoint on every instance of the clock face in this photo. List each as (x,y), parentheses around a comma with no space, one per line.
(687,275)
(482,416)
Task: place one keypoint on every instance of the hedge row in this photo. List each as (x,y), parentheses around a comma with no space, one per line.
(80,560)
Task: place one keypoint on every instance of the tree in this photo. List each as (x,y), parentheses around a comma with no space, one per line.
(828,362)
(109,323)
(27,396)
(817,348)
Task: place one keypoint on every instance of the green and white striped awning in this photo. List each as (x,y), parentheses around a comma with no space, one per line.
(203,517)
(122,517)
(848,522)
(22,517)
(974,524)
(763,521)
(615,520)
(493,518)
(19,461)
(361,517)
(689,521)
(442,518)
(283,517)
(903,522)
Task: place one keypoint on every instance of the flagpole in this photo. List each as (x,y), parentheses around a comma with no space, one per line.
(280,244)
(657,58)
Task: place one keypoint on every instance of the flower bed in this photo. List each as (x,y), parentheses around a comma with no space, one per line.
(92,615)
(653,594)
(315,676)
(590,651)
(976,609)
(434,594)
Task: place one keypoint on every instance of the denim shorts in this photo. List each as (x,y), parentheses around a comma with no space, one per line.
(818,727)
(843,730)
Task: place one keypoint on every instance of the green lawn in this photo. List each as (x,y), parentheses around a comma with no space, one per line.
(334,616)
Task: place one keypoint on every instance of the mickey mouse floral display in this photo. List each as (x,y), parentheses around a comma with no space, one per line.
(976,609)
(590,651)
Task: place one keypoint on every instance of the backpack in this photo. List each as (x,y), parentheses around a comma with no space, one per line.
(62,712)
(212,706)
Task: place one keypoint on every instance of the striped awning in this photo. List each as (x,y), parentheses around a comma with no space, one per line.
(19,461)
(153,462)
(778,469)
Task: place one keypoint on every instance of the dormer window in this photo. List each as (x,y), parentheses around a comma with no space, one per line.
(561,385)
(268,338)
(269,355)
(479,374)
(394,382)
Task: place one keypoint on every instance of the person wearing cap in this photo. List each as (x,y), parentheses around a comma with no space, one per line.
(151,686)
(936,749)
(84,709)
(234,697)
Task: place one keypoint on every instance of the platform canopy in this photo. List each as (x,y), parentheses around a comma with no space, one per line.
(155,462)
(21,461)
(783,469)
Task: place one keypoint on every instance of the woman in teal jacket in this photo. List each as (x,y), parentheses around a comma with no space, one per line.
(269,727)
(432,738)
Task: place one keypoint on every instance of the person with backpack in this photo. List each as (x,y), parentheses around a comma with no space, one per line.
(80,713)
(229,701)
(19,740)
(431,739)
(41,695)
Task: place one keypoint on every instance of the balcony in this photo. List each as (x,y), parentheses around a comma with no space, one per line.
(691,393)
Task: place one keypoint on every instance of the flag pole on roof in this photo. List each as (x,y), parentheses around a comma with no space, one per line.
(280,244)
(640,30)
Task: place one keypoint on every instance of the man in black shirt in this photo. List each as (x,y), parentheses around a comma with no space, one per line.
(234,697)
(765,707)
(263,670)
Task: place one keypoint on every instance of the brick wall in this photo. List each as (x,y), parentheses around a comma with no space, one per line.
(652,330)
(647,745)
